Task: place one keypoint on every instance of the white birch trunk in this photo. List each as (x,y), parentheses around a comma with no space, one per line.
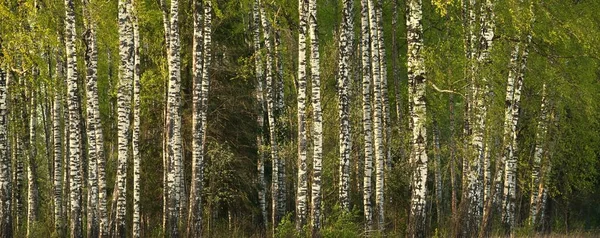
(126,50)
(317,119)
(416,75)
(5,161)
(344,104)
(58,152)
(73,103)
(377,112)
(91,61)
(136,126)
(366,107)
(539,152)
(195,206)
(260,110)
(32,189)
(302,187)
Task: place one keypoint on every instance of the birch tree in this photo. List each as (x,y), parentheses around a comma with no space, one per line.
(343,83)
(271,117)
(302,187)
(539,152)
(317,132)
(73,104)
(126,71)
(377,111)
(5,162)
(366,108)
(57,145)
(136,124)
(260,110)
(416,75)
(195,210)
(91,61)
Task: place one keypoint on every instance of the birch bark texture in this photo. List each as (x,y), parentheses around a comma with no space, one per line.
(126,51)
(5,161)
(195,206)
(260,110)
(366,110)
(343,83)
(74,130)
(539,152)
(135,147)
(91,62)
(317,132)
(416,75)
(302,187)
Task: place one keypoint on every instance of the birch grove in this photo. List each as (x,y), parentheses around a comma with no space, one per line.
(272,119)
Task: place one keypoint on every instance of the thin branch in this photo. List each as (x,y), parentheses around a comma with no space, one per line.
(444,90)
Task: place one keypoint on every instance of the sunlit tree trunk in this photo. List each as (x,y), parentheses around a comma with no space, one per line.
(5,161)
(302,186)
(343,83)
(174,161)
(91,62)
(73,103)
(126,50)
(195,206)
(317,132)
(539,152)
(416,75)
(366,108)
(377,110)
(260,110)
(135,147)
(58,144)
(32,186)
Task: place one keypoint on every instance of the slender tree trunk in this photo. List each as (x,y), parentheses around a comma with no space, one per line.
(136,126)
(416,75)
(387,128)
(74,123)
(366,107)
(91,61)
(317,119)
(302,189)
(58,144)
(377,111)
(260,109)
(174,161)
(344,104)
(126,68)
(270,97)
(167,30)
(438,174)
(5,161)
(30,144)
(195,206)
(540,142)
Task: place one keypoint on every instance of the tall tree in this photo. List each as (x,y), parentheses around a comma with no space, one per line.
(377,110)
(74,129)
(416,75)
(135,147)
(343,83)
(539,152)
(58,144)
(317,132)
(260,110)
(91,61)
(271,117)
(126,68)
(5,162)
(366,110)
(198,117)
(30,144)
(302,187)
